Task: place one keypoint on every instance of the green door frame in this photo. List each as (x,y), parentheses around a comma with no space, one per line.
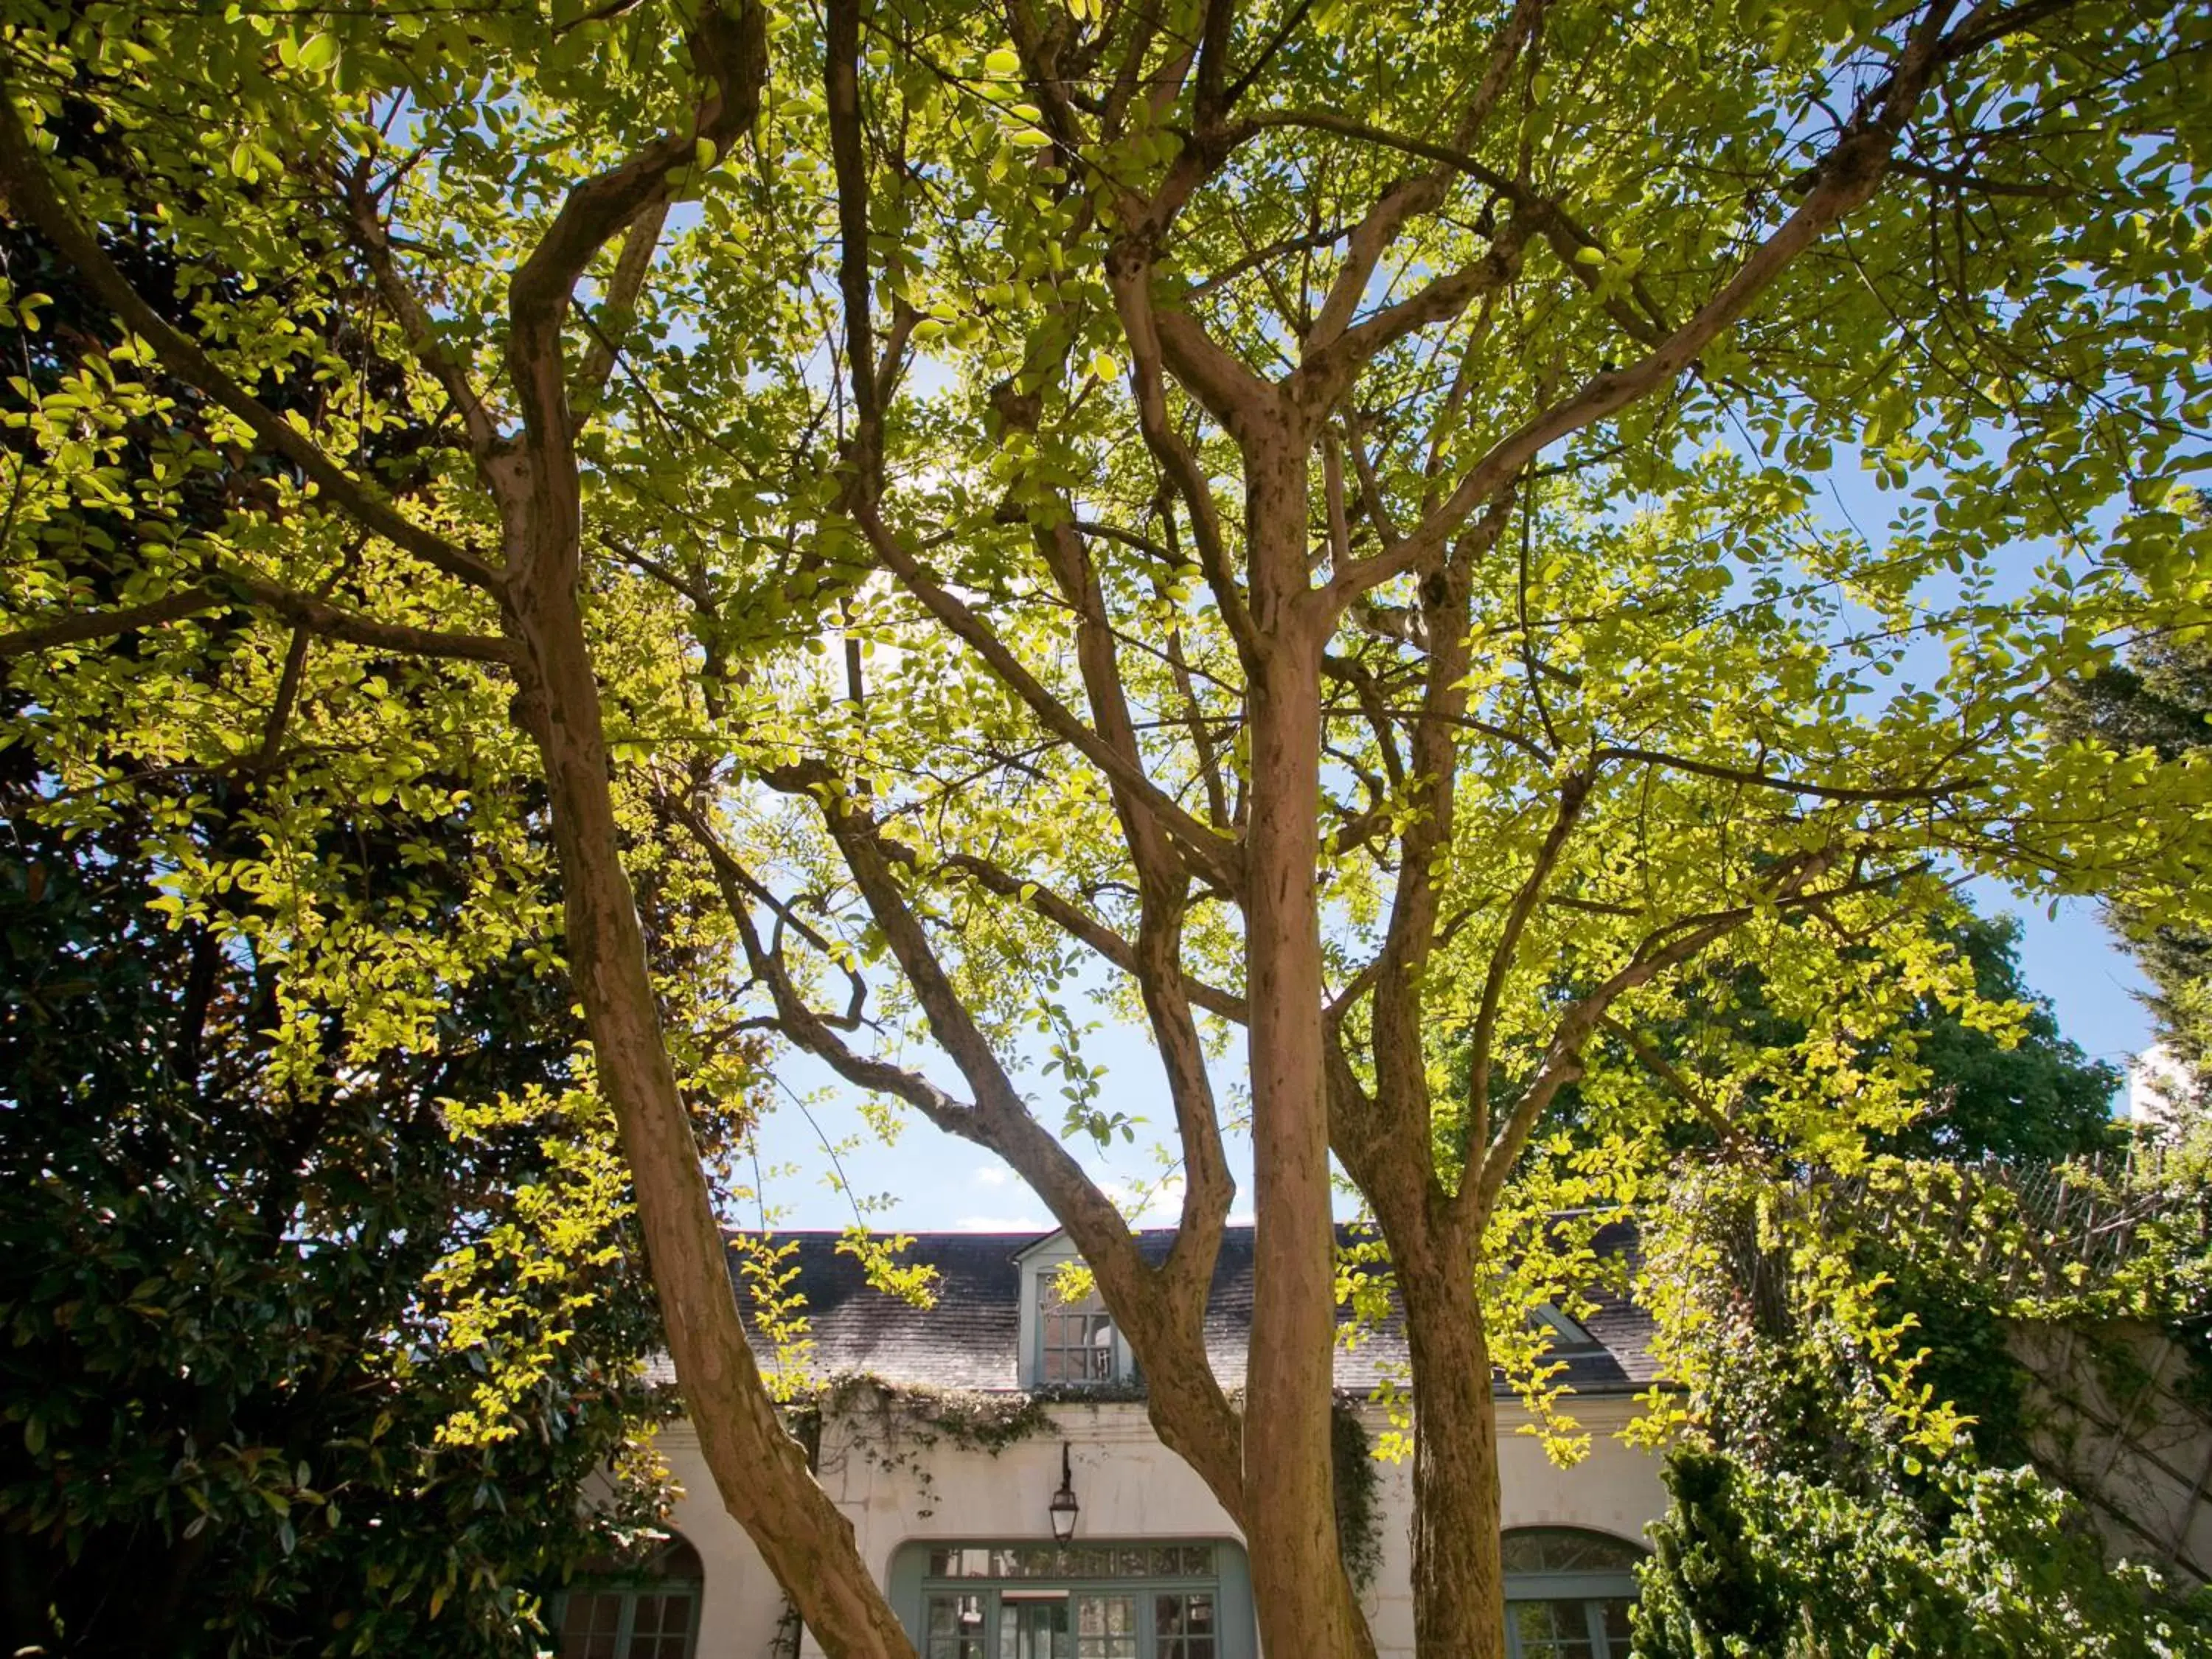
(909,1585)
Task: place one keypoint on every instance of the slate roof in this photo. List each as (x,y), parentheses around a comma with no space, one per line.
(970,1338)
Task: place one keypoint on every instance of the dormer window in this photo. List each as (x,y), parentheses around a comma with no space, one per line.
(1080,1343)
(1067,1341)
(1566,1333)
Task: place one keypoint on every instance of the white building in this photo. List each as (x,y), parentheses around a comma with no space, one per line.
(2158,1087)
(967,1536)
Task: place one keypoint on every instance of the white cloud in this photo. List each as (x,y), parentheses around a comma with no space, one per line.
(992,1175)
(999,1223)
(1162,1200)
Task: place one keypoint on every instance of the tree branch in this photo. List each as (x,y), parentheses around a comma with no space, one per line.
(731,55)
(1379,227)
(1324,373)
(107,624)
(1562,1061)
(1216,858)
(1848,175)
(632,266)
(1161,1310)
(372,237)
(1131,281)
(1731,1137)
(301,610)
(1574,796)
(1071,919)
(333,621)
(1793,786)
(33,192)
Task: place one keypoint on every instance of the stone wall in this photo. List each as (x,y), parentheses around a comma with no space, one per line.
(2117,1422)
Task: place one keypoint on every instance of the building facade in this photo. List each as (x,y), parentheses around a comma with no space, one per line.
(994,1453)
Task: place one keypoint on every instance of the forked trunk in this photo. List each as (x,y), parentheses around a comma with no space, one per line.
(760,1471)
(1305,1599)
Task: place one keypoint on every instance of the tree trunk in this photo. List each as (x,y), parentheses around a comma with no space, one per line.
(1459,1585)
(759,1469)
(1305,1600)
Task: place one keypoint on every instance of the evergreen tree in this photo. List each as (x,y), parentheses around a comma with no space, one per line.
(321,1326)
(2158,698)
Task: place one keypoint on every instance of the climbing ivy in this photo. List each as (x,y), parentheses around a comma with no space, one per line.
(1359,1507)
(895,1427)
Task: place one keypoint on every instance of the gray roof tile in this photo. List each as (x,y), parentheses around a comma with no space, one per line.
(969,1339)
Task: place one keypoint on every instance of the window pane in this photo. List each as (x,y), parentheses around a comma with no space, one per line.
(950,1614)
(956,1627)
(588,1625)
(1613,1615)
(1182,1624)
(1565,1549)
(1106,1627)
(660,1627)
(1034,1629)
(1552,1630)
(1077,1338)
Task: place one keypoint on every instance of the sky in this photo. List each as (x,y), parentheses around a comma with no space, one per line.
(937,1182)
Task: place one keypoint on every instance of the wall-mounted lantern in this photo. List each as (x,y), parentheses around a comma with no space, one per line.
(1064,1508)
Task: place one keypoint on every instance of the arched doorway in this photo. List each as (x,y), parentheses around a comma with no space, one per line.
(1567,1593)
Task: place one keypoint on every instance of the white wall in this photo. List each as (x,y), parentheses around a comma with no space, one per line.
(1130,1486)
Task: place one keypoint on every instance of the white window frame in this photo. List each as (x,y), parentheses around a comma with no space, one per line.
(1569,1334)
(1040,1264)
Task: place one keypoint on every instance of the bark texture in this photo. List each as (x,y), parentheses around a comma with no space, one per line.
(760,1471)
(1305,1600)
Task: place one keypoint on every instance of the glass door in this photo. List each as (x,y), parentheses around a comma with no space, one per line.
(1035,1627)
(1104,1599)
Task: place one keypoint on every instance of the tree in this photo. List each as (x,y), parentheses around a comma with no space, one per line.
(2160,698)
(1404,632)
(523,488)
(1355,307)
(2000,1080)
(323,1326)
(2036,1098)
(1752,1562)
(244,1406)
